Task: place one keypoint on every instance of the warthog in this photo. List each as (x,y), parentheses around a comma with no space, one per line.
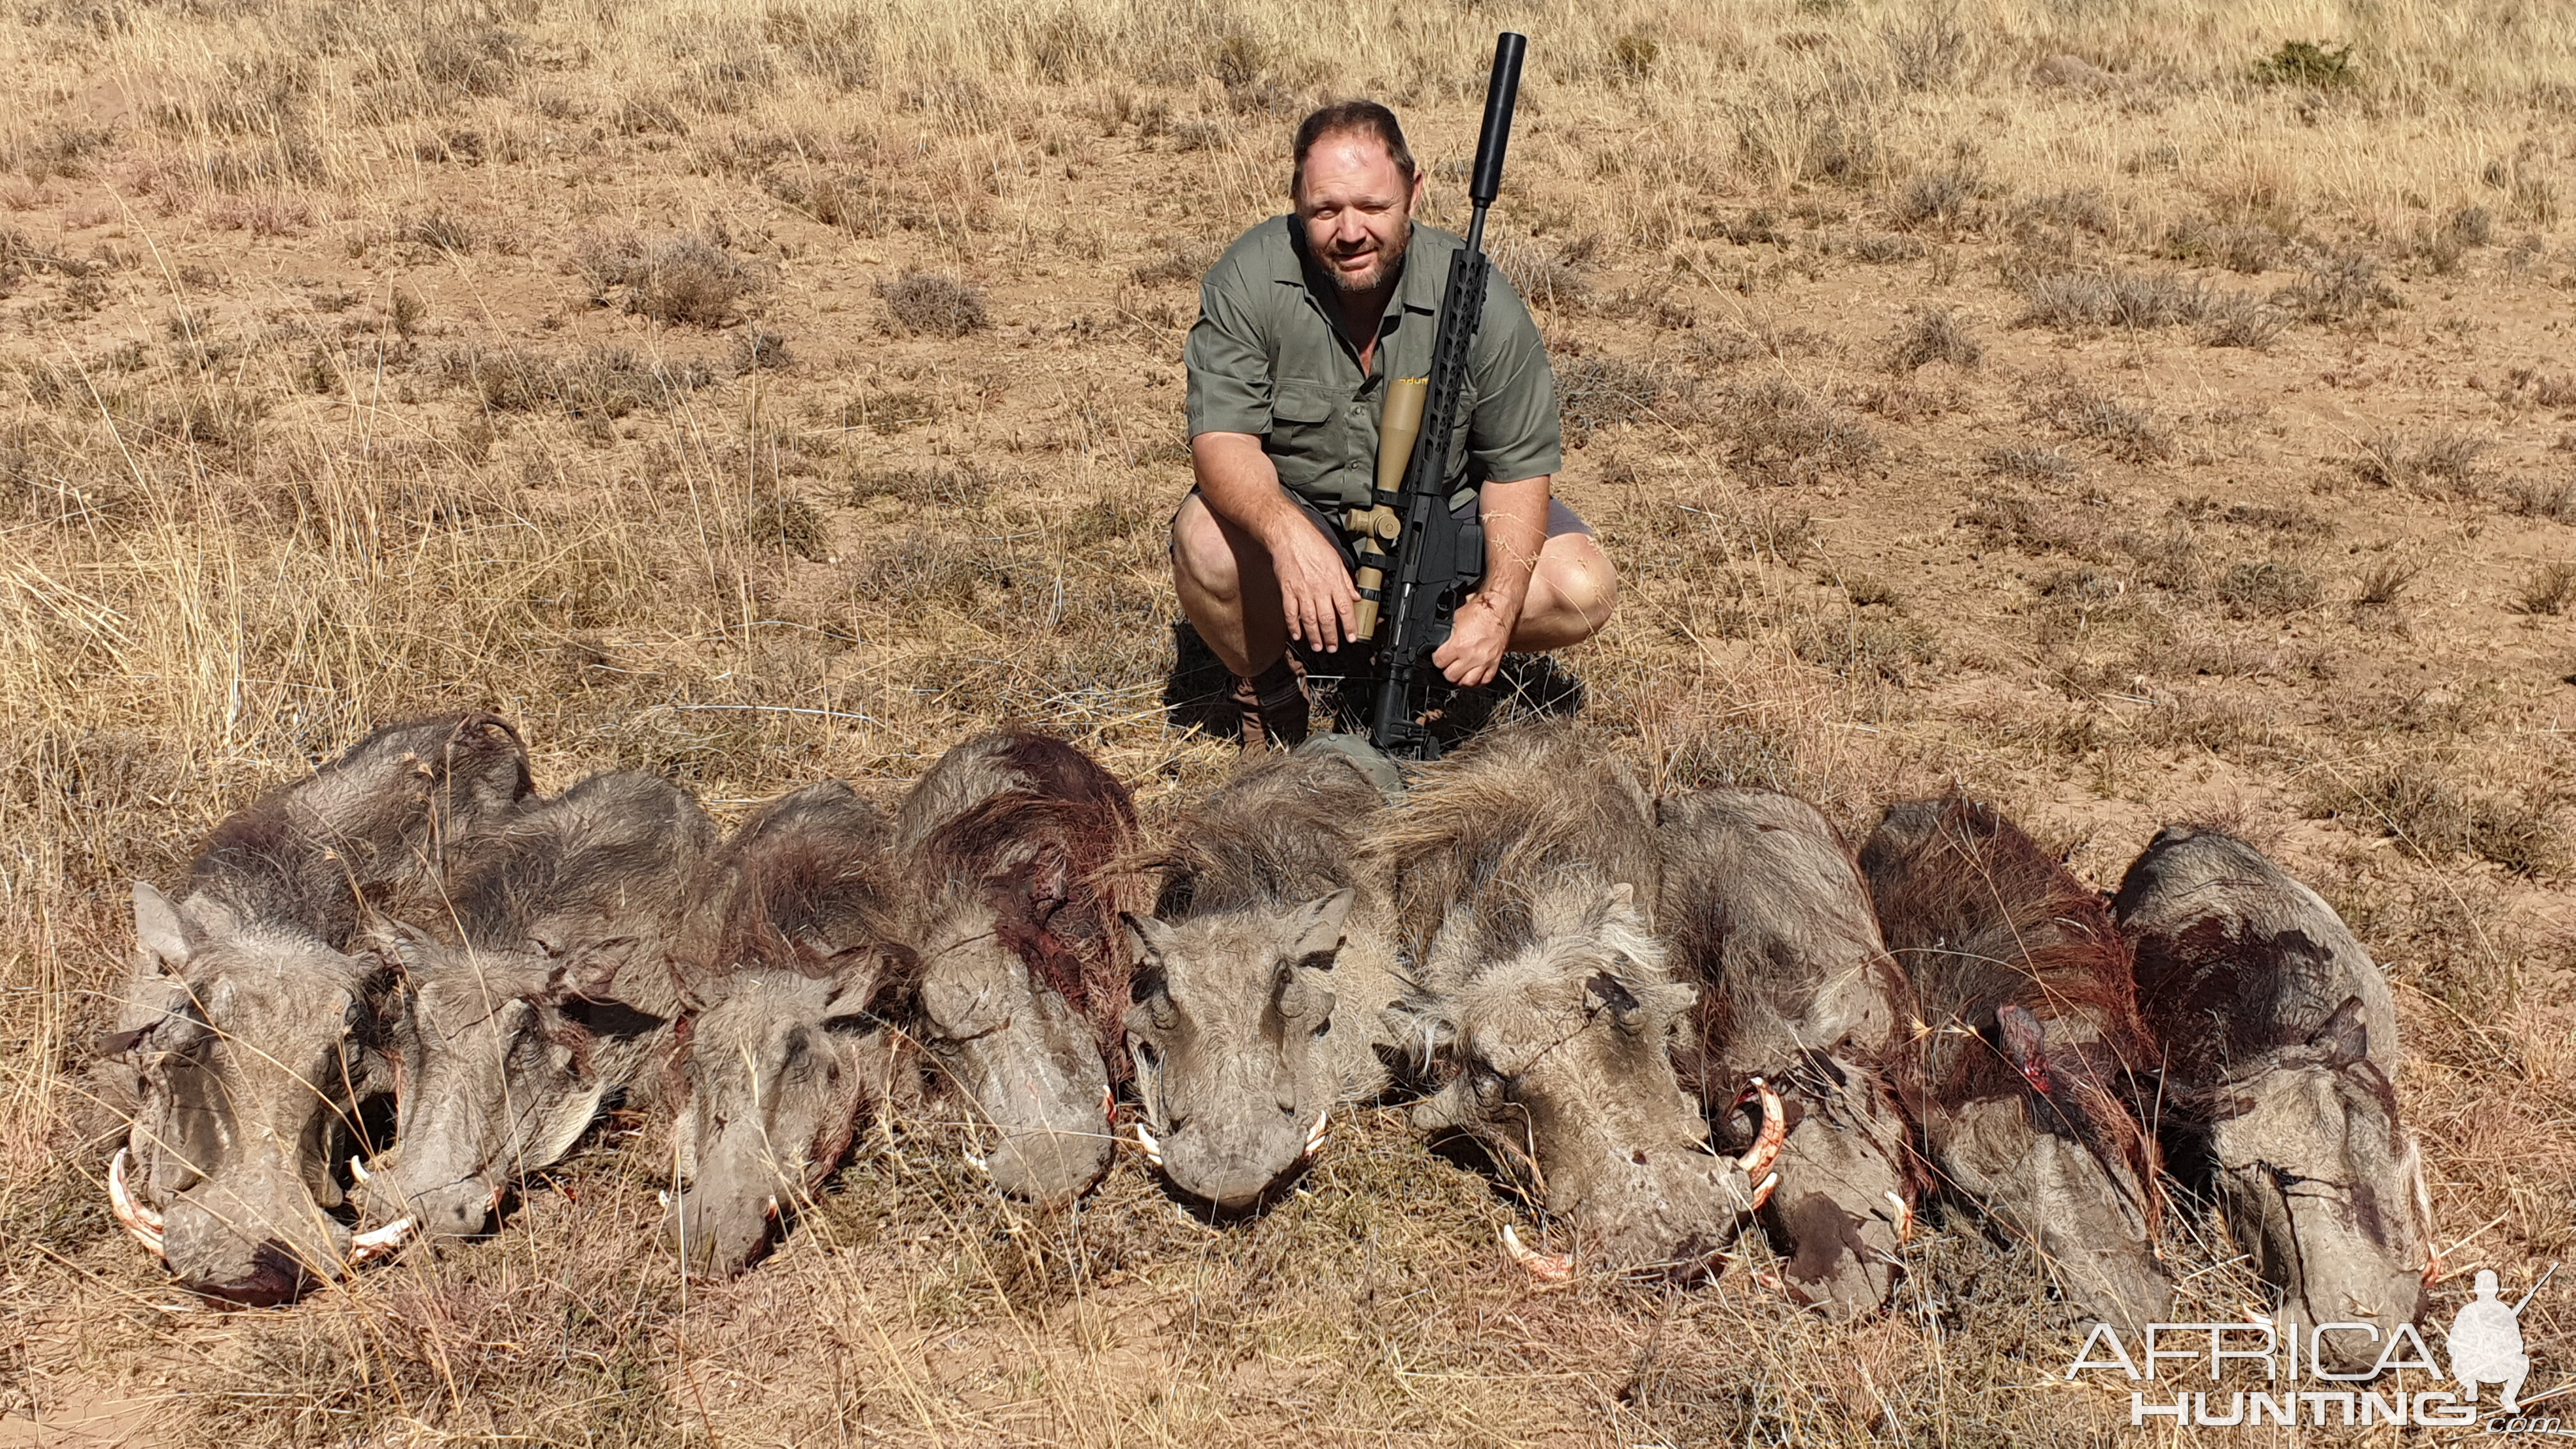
(251,1035)
(2023,1080)
(1262,981)
(787,1041)
(1014,842)
(555,994)
(1765,910)
(2280,1058)
(1521,874)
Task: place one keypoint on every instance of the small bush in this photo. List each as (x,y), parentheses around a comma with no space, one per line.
(2399,463)
(2548,591)
(2069,300)
(686,281)
(1893,650)
(2307,63)
(1633,56)
(2337,289)
(2431,818)
(1778,432)
(2040,465)
(790,524)
(2384,580)
(2534,499)
(1593,393)
(933,305)
(2131,434)
(1935,334)
(2256,590)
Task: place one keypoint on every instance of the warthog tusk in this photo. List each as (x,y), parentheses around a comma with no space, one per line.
(1775,1129)
(383,1242)
(358,1173)
(1762,1190)
(1904,1216)
(663,1197)
(976,1162)
(1153,1148)
(1315,1139)
(769,1209)
(141,1221)
(1545,1267)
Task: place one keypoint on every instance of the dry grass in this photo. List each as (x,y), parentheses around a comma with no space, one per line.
(756,393)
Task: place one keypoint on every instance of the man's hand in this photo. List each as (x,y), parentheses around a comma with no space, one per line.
(1477,638)
(1316,594)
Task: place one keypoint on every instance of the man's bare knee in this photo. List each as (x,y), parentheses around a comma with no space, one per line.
(1585,584)
(1202,554)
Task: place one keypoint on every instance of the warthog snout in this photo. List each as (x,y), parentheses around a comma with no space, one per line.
(1020,1060)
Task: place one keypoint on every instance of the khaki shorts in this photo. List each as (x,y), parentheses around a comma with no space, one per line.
(1560,520)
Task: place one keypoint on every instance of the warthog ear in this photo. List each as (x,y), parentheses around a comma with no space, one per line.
(587,970)
(1320,935)
(1152,937)
(2345,1036)
(2025,1044)
(159,929)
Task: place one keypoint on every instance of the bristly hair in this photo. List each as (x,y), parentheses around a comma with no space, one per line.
(804,878)
(1072,941)
(1531,804)
(1282,831)
(1989,925)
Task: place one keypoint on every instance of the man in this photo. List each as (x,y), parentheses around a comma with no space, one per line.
(1301,324)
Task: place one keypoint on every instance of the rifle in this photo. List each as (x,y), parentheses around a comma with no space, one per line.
(1417,562)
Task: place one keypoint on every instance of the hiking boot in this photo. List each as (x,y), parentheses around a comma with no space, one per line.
(1273,706)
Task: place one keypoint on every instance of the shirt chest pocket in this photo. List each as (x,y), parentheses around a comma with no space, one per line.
(1310,439)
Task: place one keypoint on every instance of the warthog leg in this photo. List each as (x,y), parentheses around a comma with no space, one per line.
(1545,1267)
(141,1221)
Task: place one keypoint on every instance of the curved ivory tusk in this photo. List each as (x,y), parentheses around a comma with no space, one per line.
(769,1209)
(1904,1216)
(1546,1267)
(1775,1130)
(1315,1139)
(662,1196)
(1762,1190)
(1153,1148)
(358,1173)
(383,1242)
(976,1161)
(140,1221)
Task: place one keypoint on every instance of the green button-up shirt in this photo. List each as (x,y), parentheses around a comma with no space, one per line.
(1267,357)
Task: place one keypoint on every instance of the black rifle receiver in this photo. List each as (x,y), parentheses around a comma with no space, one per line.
(1439,559)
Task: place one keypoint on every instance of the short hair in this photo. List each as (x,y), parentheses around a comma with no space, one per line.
(1366,118)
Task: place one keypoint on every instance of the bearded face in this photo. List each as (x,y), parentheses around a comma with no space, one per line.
(1357,207)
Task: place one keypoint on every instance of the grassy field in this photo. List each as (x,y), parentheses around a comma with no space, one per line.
(2129,410)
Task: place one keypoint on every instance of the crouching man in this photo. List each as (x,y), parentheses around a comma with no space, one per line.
(1301,324)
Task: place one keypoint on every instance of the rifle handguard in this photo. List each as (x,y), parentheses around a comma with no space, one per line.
(1399,424)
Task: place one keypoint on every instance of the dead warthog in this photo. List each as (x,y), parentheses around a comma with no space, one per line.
(552,992)
(2023,1080)
(1262,981)
(2279,1099)
(251,1035)
(786,1042)
(1015,888)
(1766,911)
(1539,993)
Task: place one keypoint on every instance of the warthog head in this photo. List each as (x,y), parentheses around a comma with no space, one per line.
(1764,907)
(1559,1057)
(779,1066)
(1227,1035)
(518,1033)
(2281,1044)
(1262,978)
(251,1037)
(257,1047)
(786,1039)
(2024,1081)
(1013,842)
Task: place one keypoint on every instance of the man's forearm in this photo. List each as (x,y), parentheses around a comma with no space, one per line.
(1515,517)
(1240,483)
